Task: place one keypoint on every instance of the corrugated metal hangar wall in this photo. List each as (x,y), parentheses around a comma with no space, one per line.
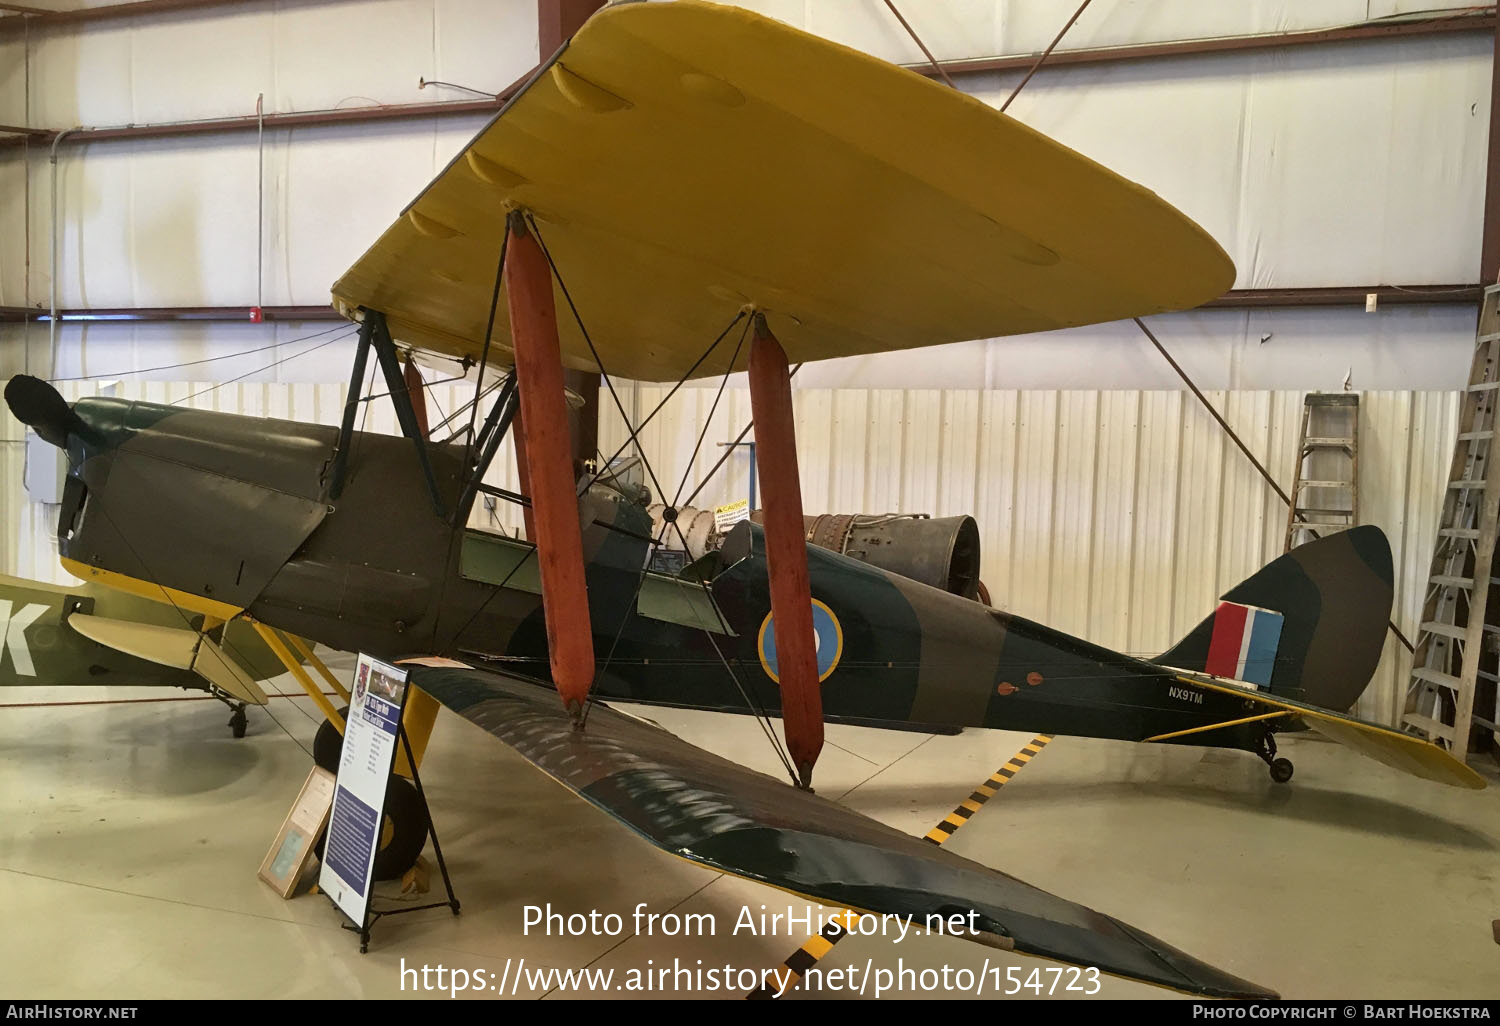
(1348,163)
(1115,510)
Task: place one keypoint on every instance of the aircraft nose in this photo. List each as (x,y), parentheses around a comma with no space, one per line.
(42,408)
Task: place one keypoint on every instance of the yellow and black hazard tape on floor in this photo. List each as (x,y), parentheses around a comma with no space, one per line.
(814,948)
(987,790)
(804,958)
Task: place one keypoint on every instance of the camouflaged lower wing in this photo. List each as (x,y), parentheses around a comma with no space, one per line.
(729,818)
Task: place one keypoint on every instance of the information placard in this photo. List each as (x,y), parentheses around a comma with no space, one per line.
(290,852)
(371,734)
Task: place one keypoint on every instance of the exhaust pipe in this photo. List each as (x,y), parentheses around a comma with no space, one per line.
(939,552)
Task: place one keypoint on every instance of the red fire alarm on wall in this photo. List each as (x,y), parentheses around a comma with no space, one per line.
(257,315)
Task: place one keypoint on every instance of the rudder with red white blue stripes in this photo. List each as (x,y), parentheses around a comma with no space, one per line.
(1244,643)
(1331,600)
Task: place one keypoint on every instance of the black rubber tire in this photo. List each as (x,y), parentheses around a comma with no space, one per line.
(1281,770)
(238,723)
(403,830)
(328,744)
(406,823)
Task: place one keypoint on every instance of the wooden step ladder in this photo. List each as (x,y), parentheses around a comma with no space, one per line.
(1327,465)
(1456,649)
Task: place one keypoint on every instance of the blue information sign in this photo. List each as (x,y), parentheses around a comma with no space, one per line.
(371,733)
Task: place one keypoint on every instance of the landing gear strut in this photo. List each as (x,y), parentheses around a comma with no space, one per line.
(1281,769)
(237,721)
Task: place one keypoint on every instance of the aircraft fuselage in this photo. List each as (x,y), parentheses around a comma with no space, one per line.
(234,513)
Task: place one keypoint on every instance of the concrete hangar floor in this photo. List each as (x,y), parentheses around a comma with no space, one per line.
(133,831)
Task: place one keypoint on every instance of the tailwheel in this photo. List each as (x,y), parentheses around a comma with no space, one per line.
(1281,769)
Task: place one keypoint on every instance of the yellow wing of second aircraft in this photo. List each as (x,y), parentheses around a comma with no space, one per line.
(684,160)
(1414,755)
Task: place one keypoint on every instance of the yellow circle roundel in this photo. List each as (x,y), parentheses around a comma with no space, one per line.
(828,642)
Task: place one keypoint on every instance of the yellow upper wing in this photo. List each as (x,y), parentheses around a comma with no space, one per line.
(684,160)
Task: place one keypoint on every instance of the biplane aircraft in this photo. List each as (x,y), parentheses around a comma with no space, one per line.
(53,634)
(684,190)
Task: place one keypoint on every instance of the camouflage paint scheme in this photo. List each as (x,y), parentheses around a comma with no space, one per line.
(60,655)
(249,523)
(238,511)
(718,814)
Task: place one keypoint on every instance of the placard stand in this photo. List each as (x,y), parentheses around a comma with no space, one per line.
(374,736)
(374,915)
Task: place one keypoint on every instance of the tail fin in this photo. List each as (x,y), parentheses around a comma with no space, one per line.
(1334,598)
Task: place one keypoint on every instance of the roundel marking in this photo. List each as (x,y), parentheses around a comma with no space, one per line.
(828,642)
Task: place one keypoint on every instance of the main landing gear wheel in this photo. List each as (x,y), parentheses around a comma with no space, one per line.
(403,830)
(1281,769)
(328,744)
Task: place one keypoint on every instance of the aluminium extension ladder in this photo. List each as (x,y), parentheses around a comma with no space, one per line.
(1456,647)
(1327,464)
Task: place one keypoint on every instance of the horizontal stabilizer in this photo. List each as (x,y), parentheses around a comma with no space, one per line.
(177,647)
(1400,751)
(716,813)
